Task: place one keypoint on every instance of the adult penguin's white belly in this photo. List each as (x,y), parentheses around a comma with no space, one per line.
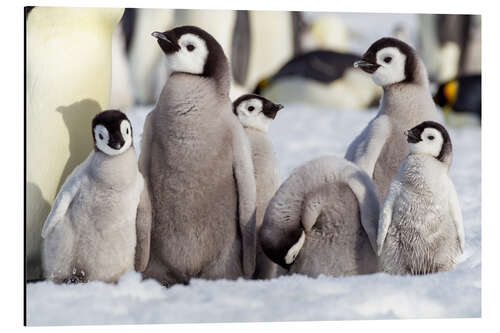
(68,79)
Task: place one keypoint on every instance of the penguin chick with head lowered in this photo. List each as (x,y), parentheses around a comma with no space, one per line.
(197,163)
(406,102)
(323,220)
(420,227)
(256,114)
(97,216)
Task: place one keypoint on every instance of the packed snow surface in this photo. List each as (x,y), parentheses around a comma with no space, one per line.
(299,134)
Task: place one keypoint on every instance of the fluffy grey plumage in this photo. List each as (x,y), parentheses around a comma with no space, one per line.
(197,163)
(406,102)
(323,220)
(92,225)
(420,227)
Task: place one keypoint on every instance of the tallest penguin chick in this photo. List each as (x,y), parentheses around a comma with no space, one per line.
(406,102)
(198,166)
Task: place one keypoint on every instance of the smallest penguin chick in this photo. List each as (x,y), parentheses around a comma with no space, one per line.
(256,114)
(420,227)
(255,111)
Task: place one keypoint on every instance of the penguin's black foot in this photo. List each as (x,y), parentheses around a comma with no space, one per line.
(77,276)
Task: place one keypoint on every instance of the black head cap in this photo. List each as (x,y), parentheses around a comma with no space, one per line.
(269,108)
(216,60)
(111,119)
(414,135)
(370,56)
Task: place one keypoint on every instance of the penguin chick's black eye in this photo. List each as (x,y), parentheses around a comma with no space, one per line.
(126,131)
(100,136)
(190,47)
(430,137)
(251,108)
(387,59)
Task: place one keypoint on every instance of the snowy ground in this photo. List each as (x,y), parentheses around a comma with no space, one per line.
(299,134)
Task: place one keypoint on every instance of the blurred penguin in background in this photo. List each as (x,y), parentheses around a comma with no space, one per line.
(460,100)
(148,77)
(263,42)
(444,40)
(322,75)
(122,95)
(322,78)
(327,32)
(68,81)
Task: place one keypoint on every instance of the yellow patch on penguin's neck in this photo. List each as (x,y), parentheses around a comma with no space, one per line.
(450,91)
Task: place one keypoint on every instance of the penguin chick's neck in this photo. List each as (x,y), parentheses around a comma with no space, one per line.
(221,76)
(256,125)
(421,172)
(117,171)
(185,96)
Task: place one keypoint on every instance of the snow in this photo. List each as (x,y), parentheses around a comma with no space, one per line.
(299,134)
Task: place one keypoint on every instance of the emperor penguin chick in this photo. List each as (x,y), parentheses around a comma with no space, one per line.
(406,102)
(323,220)
(198,167)
(420,227)
(256,114)
(91,231)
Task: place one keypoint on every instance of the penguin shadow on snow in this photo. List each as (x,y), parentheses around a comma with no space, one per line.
(78,132)
(34,263)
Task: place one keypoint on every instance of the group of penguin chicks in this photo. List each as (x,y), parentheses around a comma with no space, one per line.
(205,201)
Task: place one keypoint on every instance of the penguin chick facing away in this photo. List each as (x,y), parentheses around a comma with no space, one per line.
(406,102)
(420,227)
(197,163)
(323,220)
(91,231)
(256,114)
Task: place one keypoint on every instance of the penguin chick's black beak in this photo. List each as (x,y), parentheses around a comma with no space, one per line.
(167,42)
(412,137)
(116,144)
(366,66)
(273,110)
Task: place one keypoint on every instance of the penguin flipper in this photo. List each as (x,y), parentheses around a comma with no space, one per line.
(456,214)
(65,197)
(144,157)
(143,227)
(385,218)
(369,206)
(246,189)
(365,149)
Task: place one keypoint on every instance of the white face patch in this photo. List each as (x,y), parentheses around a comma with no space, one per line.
(392,67)
(191,57)
(250,114)
(431,144)
(102,138)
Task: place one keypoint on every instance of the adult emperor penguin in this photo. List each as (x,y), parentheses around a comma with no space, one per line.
(256,114)
(406,102)
(68,81)
(420,228)
(198,166)
(91,231)
(323,78)
(323,220)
